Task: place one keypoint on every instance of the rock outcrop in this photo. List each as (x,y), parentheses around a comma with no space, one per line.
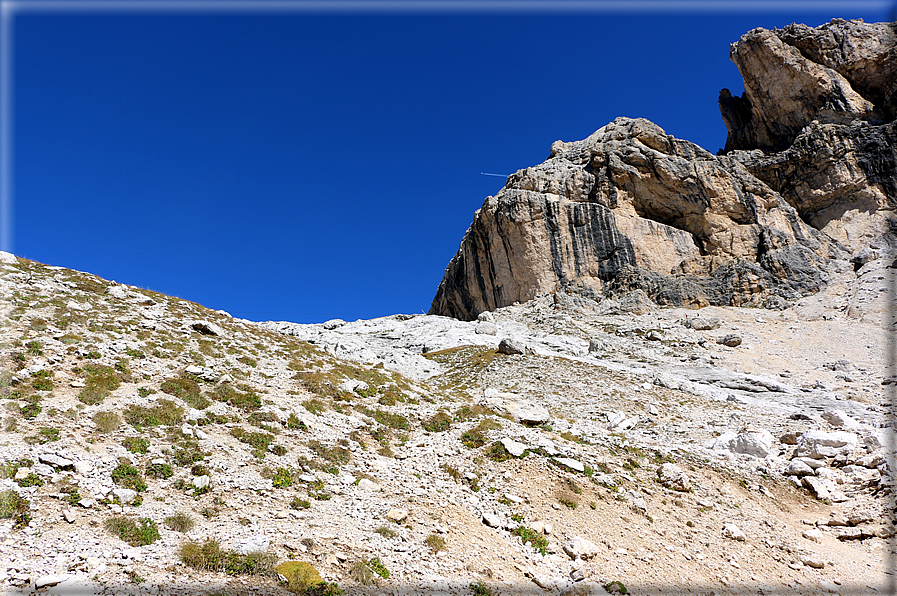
(631,207)
(808,175)
(816,122)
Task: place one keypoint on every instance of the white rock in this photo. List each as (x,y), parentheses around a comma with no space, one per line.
(365,484)
(49,580)
(201,482)
(513,447)
(125,495)
(254,544)
(580,548)
(193,370)
(813,534)
(69,516)
(57,461)
(200,434)
(518,408)
(486,328)
(732,531)
(571,463)
(813,561)
(117,291)
(798,468)
(83,467)
(672,476)
(819,444)
(756,443)
(511,345)
(492,520)
(8,258)
(397,515)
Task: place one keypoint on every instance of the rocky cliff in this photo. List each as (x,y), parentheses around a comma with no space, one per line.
(807,178)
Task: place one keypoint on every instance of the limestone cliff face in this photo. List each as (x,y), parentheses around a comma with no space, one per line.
(816,122)
(809,174)
(631,207)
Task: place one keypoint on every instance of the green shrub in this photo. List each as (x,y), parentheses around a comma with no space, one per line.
(396,421)
(187,452)
(299,575)
(478,588)
(536,540)
(386,532)
(136,444)
(439,422)
(497,452)
(298,503)
(336,454)
(165,412)
(187,389)
(209,556)
(180,522)
(106,421)
(35,348)
(283,478)
(378,567)
(145,391)
(435,542)
(159,471)
(244,400)
(14,506)
(42,383)
(30,410)
(100,382)
(31,479)
(128,530)
(260,441)
(315,406)
(128,476)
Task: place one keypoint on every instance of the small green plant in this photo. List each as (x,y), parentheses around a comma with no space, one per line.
(439,422)
(145,391)
(159,471)
(165,412)
(209,556)
(478,588)
(533,538)
(14,506)
(283,478)
(260,441)
(243,398)
(278,450)
(615,587)
(298,503)
(378,567)
(42,383)
(128,476)
(136,444)
(386,532)
(299,575)
(35,348)
(294,423)
(30,410)
(435,542)
(31,479)
(100,382)
(128,530)
(180,522)
(187,389)
(106,421)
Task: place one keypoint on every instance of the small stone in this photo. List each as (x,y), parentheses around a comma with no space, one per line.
(193,370)
(69,516)
(733,532)
(125,495)
(672,476)
(513,447)
(702,323)
(78,383)
(49,580)
(254,544)
(571,463)
(813,534)
(83,467)
(492,520)
(365,484)
(731,340)
(580,548)
(511,346)
(57,461)
(397,515)
(812,561)
(201,482)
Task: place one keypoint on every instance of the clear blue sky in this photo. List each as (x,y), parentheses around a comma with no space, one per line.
(304,166)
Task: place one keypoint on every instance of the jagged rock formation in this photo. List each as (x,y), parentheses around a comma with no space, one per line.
(632,208)
(825,99)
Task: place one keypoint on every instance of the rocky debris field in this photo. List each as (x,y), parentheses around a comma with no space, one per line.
(152,446)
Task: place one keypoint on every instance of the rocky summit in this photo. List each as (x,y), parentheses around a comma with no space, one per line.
(598,436)
(807,179)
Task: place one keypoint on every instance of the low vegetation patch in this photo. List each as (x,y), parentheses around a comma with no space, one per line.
(165,412)
(209,556)
(136,444)
(435,542)
(180,522)
(135,533)
(533,538)
(127,476)
(243,398)
(106,421)
(439,422)
(15,507)
(186,389)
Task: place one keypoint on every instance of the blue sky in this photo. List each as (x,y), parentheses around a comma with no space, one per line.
(304,165)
